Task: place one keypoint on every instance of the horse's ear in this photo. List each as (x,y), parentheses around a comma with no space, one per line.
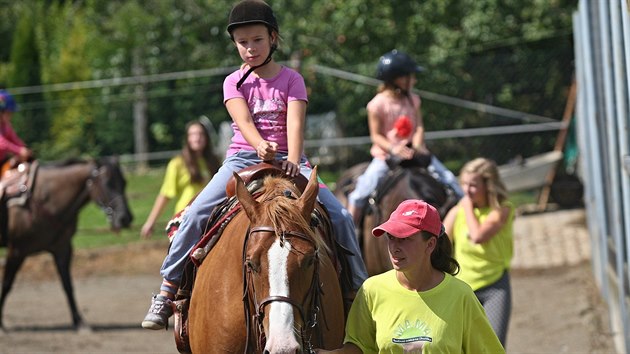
(308,198)
(249,204)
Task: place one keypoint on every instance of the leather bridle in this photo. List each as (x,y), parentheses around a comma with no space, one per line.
(254,322)
(98,193)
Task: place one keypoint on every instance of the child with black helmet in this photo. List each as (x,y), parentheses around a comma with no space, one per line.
(396,128)
(267,103)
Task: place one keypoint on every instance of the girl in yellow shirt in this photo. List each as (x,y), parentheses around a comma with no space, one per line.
(481,229)
(186,174)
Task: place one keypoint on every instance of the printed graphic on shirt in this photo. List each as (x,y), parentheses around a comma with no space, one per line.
(267,114)
(412,337)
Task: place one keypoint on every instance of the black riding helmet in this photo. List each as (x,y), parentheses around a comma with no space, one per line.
(394,64)
(249,12)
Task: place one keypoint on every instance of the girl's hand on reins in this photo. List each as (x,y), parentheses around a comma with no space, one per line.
(290,168)
(402,151)
(266,150)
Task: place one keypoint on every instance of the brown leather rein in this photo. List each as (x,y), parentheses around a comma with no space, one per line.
(255,328)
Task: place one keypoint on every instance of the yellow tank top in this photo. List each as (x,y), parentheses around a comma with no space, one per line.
(483,264)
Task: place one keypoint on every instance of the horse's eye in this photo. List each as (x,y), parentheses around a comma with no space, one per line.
(310,260)
(251,265)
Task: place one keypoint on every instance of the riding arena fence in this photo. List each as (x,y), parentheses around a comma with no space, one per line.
(602,52)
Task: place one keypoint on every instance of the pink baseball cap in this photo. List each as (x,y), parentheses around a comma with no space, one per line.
(411,217)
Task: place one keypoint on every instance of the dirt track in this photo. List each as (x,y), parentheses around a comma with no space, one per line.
(555,310)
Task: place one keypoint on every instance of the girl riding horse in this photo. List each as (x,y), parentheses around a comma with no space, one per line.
(267,103)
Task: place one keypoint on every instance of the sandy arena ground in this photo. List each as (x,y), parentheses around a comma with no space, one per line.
(557,308)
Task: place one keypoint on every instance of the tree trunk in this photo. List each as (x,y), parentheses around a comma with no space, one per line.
(140,119)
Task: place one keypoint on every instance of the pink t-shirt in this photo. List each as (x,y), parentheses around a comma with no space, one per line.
(388,109)
(9,141)
(267,100)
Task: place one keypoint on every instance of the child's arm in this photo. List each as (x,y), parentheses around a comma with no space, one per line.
(480,232)
(374,125)
(10,142)
(296,117)
(160,202)
(394,148)
(238,110)
(418,137)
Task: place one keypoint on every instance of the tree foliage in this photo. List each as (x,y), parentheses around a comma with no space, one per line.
(24,69)
(508,53)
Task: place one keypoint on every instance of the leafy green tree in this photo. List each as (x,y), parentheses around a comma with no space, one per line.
(25,70)
(507,53)
(165,37)
(63,37)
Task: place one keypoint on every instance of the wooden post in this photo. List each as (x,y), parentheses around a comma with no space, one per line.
(543,198)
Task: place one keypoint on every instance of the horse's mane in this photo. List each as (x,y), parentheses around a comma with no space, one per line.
(279,210)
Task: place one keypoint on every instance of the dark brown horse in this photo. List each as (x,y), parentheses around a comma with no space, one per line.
(268,285)
(47,219)
(407,181)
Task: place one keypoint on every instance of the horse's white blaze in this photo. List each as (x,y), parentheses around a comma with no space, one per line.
(280,338)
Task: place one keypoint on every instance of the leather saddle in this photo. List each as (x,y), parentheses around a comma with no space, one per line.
(15,187)
(266,168)
(17,183)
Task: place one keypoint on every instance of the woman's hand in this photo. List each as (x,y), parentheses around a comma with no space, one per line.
(466,203)
(291,169)
(266,150)
(147,230)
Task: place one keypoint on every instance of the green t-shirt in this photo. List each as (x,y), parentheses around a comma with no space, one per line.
(177,183)
(483,264)
(387,318)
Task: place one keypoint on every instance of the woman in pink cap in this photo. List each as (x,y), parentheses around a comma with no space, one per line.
(419,306)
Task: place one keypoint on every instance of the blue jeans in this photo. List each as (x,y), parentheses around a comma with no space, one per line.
(367,183)
(445,176)
(195,219)
(378,169)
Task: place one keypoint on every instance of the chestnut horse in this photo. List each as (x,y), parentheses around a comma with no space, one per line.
(406,181)
(269,284)
(47,219)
